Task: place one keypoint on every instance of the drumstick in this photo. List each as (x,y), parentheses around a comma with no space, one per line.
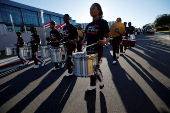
(95,43)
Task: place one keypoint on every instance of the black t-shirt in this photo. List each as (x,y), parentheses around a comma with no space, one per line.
(55,35)
(69,33)
(130,29)
(95,31)
(35,39)
(20,41)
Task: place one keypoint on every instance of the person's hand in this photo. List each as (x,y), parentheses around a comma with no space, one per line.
(117,30)
(101,42)
(71,42)
(83,42)
(56,41)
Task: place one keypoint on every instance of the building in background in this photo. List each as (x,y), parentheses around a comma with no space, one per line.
(25,16)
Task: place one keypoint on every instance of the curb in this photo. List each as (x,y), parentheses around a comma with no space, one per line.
(15,63)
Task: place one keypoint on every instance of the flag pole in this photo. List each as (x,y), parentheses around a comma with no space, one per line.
(12,22)
(42,18)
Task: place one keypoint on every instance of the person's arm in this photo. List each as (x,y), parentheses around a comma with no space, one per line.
(37,39)
(103,42)
(134,30)
(105,31)
(123,34)
(75,37)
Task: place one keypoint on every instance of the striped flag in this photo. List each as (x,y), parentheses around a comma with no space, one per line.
(47,25)
(62,25)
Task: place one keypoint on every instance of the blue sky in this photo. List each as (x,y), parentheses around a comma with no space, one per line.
(139,12)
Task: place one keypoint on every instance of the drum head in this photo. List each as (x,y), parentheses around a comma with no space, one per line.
(80,33)
(114,26)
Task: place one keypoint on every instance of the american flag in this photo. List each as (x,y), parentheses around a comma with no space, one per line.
(47,25)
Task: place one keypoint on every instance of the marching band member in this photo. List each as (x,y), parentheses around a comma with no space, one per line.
(55,40)
(20,43)
(116,42)
(131,31)
(35,41)
(94,32)
(70,36)
(125,37)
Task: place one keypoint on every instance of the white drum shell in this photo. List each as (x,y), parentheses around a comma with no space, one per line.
(25,51)
(11,51)
(58,54)
(45,51)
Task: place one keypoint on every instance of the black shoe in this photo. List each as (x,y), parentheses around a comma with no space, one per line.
(101,87)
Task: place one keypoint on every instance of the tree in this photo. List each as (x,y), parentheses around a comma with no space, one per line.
(162,20)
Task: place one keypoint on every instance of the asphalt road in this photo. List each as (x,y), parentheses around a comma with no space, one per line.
(138,83)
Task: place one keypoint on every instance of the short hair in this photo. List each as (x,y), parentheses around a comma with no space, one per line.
(67,15)
(19,32)
(125,22)
(52,22)
(119,18)
(34,29)
(129,23)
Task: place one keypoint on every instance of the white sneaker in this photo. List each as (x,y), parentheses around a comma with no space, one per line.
(68,74)
(102,82)
(43,64)
(56,69)
(91,88)
(117,55)
(63,64)
(27,62)
(121,53)
(114,62)
(36,66)
(21,65)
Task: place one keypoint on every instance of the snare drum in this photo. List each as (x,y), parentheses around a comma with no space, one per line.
(127,42)
(84,63)
(45,51)
(11,51)
(25,51)
(58,54)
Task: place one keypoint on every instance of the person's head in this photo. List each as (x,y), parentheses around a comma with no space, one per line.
(18,33)
(129,24)
(125,23)
(33,30)
(79,28)
(66,18)
(118,19)
(96,10)
(52,24)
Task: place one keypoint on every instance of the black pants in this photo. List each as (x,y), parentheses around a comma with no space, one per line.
(69,63)
(35,54)
(115,45)
(23,60)
(79,46)
(121,48)
(99,73)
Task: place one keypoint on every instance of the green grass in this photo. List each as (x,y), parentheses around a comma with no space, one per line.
(3,56)
(167,32)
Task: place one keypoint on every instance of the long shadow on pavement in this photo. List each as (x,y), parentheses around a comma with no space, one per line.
(160,67)
(162,91)
(133,97)
(57,100)
(20,82)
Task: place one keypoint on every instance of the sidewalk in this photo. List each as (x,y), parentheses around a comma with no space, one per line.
(12,61)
